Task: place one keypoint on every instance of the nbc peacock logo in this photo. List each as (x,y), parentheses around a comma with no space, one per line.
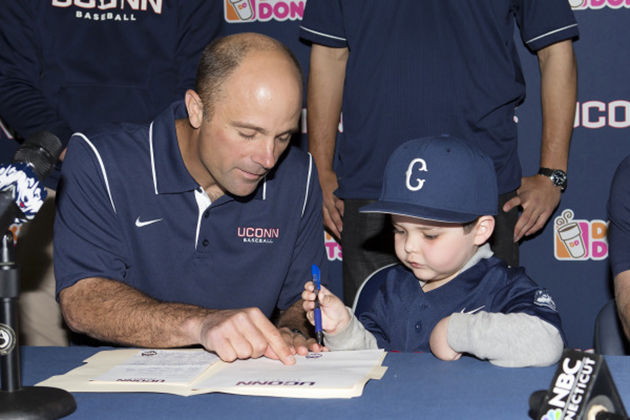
(555,414)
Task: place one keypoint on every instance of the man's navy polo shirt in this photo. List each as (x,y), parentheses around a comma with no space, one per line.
(430,67)
(128,210)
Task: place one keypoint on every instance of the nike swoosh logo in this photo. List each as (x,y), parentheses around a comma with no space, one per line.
(474,310)
(147,223)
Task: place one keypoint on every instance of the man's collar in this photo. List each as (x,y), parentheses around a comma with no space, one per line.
(170,174)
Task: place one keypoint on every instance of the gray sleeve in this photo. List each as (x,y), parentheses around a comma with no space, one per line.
(508,340)
(353,337)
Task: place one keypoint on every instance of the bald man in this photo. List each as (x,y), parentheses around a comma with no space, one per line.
(197,228)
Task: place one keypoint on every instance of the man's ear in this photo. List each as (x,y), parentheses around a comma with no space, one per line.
(484,229)
(194,106)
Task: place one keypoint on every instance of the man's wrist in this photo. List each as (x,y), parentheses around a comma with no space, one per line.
(195,325)
(557,176)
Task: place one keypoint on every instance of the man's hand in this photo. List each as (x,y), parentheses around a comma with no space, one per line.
(302,344)
(539,198)
(333,206)
(114,312)
(439,343)
(243,334)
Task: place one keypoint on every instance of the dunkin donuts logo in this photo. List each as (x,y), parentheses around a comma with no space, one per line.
(579,240)
(599,4)
(333,249)
(237,11)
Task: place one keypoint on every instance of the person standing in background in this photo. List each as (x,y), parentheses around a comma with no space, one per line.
(404,69)
(619,239)
(66,66)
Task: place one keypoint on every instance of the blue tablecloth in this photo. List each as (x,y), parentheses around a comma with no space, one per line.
(415,386)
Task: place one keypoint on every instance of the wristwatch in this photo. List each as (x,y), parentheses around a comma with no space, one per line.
(557,176)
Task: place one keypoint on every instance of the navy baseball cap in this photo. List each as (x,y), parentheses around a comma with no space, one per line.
(440,178)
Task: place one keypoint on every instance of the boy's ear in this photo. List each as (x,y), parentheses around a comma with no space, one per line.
(484,229)
(194,106)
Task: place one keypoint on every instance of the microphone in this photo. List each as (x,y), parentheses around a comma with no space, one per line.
(21,193)
(40,151)
(21,197)
(581,389)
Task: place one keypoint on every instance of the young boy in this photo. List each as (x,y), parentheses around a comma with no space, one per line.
(448,295)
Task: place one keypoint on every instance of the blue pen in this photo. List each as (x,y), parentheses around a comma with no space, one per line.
(319,334)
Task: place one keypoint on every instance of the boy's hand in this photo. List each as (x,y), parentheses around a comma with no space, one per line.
(439,343)
(316,348)
(335,316)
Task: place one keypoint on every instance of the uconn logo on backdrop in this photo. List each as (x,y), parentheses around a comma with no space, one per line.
(598,114)
(598,4)
(237,11)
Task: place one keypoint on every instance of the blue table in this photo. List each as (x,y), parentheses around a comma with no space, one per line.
(415,386)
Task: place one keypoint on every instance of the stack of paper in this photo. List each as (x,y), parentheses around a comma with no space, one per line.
(190,372)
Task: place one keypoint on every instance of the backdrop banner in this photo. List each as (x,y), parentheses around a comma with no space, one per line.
(570,256)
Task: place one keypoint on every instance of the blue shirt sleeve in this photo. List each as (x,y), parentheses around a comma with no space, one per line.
(544,22)
(323,23)
(87,238)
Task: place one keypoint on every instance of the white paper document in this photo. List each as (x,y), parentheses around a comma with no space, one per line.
(161,366)
(315,375)
(188,372)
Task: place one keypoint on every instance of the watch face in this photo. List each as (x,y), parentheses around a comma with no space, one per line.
(559,178)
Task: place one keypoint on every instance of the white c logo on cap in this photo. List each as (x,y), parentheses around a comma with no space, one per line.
(422,168)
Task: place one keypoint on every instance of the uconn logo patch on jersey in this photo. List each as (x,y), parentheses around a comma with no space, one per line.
(543,298)
(258,235)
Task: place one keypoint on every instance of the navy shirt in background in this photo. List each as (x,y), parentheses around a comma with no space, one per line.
(431,67)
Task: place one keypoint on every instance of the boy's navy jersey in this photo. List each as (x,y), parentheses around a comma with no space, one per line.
(425,68)
(403,315)
(128,210)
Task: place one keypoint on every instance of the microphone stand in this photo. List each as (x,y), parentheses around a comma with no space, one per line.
(16,401)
